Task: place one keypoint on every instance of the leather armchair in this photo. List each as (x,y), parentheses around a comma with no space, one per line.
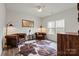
(40,36)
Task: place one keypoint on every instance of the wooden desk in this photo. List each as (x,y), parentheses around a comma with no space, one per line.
(14,39)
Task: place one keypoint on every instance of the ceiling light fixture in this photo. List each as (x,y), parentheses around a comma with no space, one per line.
(40,8)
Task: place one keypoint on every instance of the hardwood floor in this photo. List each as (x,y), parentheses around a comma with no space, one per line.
(10,52)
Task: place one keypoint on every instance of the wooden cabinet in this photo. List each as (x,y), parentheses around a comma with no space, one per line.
(68,44)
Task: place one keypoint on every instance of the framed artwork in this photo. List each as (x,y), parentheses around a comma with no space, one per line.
(27,23)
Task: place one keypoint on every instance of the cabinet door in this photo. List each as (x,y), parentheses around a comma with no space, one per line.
(63,44)
(59,53)
(74,45)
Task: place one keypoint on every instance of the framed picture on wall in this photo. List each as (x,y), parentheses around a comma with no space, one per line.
(27,23)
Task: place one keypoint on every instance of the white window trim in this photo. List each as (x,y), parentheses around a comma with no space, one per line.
(55,29)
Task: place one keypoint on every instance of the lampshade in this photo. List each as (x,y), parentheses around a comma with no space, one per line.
(41,29)
(8,27)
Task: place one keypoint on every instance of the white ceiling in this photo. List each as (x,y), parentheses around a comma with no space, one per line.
(30,8)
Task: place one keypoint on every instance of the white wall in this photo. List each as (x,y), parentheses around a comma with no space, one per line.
(2,24)
(70,16)
(16,19)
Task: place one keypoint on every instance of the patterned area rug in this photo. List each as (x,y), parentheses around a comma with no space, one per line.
(39,48)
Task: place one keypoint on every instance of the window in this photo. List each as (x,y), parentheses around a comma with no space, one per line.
(60,24)
(55,26)
(51,27)
(51,24)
